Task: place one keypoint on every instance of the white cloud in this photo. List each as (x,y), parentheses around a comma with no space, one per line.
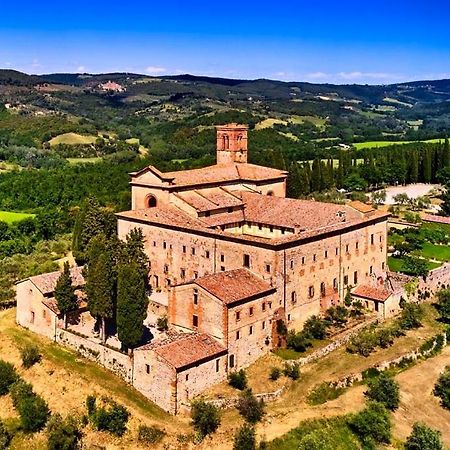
(155,70)
(36,64)
(81,69)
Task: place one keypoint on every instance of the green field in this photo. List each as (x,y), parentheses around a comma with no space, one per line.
(379,144)
(435,251)
(11,217)
(397,264)
(94,159)
(73,139)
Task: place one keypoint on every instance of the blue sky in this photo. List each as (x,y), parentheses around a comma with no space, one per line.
(319,41)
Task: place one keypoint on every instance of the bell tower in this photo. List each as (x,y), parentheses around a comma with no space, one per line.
(231,143)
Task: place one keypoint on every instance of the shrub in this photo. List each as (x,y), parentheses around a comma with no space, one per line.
(5,436)
(372,424)
(20,390)
(275,373)
(150,435)
(336,316)
(162,323)
(323,393)
(110,416)
(63,434)
(423,437)
(384,389)
(30,355)
(205,417)
(411,316)
(245,438)
(363,343)
(442,388)
(8,376)
(250,408)
(298,341)
(292,371)
(315,328)
(238,379)
(34,413)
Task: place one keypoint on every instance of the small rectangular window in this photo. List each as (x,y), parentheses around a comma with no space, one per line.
(372,239)
(289,317)
(182,273)
(187,377)
(303,260)
(147,368)
(337,251)
(193,251)
(271,228)
(195,275)
(357,245)
(231,361)
(370,270)
(292,263)
(195,296)
(381,238)
(222,258)
(195,321)
(311,291)
(314,257)
(250,330)
(335,284)
(268,268)
(250,311)
(238,316)
(164,244)
(355,277)
(238,335)
(382,265)
(154,243)
(222,268)
(166,268)
(246,262)
(207,254)
(293,297)
(326,254)
(345,280)
(264,325)
(259,227)
(346,248)
(263,306)
(184,249)
(217,365)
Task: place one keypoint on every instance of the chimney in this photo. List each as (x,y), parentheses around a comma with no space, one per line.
(231,143)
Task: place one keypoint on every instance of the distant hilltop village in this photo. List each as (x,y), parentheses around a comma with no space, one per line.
(231,258)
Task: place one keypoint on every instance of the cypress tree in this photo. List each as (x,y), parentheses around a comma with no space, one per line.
(293,181)
(65,293)
(427,166)
(446,153)
(100,281)
(316,177)
(132,304)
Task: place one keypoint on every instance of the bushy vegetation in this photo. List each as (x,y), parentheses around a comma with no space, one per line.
(64,433)
(8,376)
(250,408)
(384,389)
(205,417)
(238,379)
(150,434)
(5,437)
(324,392)
(423,437)
(30,355)
(245,438)
(32,408)
(292,370)
(275,373)
(108,416)
(442,388)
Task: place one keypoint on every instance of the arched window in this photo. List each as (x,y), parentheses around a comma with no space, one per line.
(226,142)
(150,201)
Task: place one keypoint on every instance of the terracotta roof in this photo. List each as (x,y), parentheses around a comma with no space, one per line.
(379,293)
(301,215)
(46,282)
(361,207)
(217,174)
(234,285)
(436,219)
(52,304)
(185,349)
(209,199)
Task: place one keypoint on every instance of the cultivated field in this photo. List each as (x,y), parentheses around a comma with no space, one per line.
(11,217)
(73,139)
(378,144)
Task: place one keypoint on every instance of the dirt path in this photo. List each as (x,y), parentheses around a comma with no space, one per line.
(417,400)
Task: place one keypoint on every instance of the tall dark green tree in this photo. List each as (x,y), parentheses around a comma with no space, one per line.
(316,177)
(100,281)
(446,153)
(65,293)
(132,304)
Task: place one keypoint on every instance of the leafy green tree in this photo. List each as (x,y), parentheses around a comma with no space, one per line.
(100,282)
(250,408)
(316,176)
(372,424)
(65,296)
(379,197)
(132,304)
(205,417)
(384,389)
(315,327)
(443,297)
(442,388)
(245,438)
(63,434)
(411,316)
(238,379)
(8,376)
(415,266)
(423,437)
(34,413)
(5,436)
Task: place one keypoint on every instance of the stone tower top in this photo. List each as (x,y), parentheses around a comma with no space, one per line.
(231,143)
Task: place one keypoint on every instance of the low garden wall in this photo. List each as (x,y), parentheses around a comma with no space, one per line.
(115,361)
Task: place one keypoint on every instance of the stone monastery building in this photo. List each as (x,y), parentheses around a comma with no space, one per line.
(230,257)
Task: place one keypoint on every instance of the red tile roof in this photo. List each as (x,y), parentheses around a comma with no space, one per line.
(436,219)
(380,293)
(184,349)
(46,282)
(52,304)
(361,207)
(216,174)
(234,285)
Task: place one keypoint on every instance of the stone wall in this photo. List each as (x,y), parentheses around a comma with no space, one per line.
(436,279)
(115,361)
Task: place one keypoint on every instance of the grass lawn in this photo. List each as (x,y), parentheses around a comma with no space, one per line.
(11,217)
(435,251)
(92,160)
(73,139)
(289,353)
(397,264)
(375,144)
